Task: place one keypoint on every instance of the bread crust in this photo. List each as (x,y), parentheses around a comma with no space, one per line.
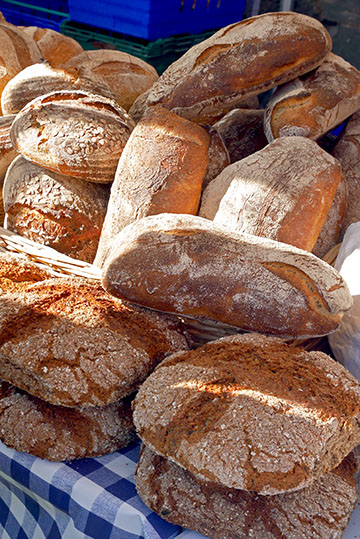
(55,47)
(250,412)
(7,151)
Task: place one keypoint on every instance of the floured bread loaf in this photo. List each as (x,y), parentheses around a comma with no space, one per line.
(55,47)
(55,210)
(250,412)
(127,75)
(59,433)
(283,192)
(315,103)
(17,272)
(319,511)
(160,170)
(69,343)
(240,60)
(74,133)
(219,157)
(190,266)
(7,151)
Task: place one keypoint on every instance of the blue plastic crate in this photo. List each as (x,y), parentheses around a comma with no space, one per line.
(61,6)
(32,15)
(153,19)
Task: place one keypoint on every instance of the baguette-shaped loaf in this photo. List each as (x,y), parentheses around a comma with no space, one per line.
(55,47)
(160,170)
(240,60)
(74,133)
(315,103)
(250,412)
(190,266)
(283,192)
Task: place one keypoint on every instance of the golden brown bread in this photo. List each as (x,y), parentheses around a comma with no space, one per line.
(59,433)
(190,266)
(74,133)
(250,412)
(319,511)
(315,103)
(240,60)
(160,170)
(218,156)
(55,210)
(17,272)
(55,47)
(283,192)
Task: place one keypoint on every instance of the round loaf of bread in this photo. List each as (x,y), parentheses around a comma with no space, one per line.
(321,510)
(69,343)
(250,412)
(59,433)
(74,133)
(55,210)
(55,47)
(127,75)
(240,60)
(188,265)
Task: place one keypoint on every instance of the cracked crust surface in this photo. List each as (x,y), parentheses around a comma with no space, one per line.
(250,412)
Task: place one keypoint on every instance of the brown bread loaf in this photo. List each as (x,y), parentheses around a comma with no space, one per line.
(7,151)
(319,511)
(315,103)
(240,60)
(160,170)
(282,192)
(218,156)
(59,433)
(17,272)
(54,210)
(69,343)
(55,47)
(250,412)
(74,133)
(190,266)
(127,75)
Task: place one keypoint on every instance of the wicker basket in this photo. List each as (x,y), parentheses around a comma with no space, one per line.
(199,331)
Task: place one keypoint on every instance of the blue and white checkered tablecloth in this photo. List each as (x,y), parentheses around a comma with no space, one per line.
(89,498)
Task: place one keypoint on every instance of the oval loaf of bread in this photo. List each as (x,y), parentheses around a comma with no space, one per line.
(250,412)
(190,266)
(55,47)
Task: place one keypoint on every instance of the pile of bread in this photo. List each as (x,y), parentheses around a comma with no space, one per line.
(211,192)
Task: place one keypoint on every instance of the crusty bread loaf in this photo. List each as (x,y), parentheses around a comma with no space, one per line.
(55,47)
(54,210)
(127,75)
(59,433)
(160,170)
(283,192)
(319,511)
(218,155)
(315,103)
(193,267)
(7,151)
(240,60)
(250,412)
(69,343)
(347,151)
(40,79)
(74,133)
(17,272)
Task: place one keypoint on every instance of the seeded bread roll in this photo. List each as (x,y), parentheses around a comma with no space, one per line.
(315,103)
(59,433)
(190,266)
(283,192)
(161,170)
(55,47)
(73,133)
(250,412)
(240,60)
(127,75)
(54,210)
(322,510)
(69,343)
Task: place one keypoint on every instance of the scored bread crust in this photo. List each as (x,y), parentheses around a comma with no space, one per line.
(321,510)
(250,412)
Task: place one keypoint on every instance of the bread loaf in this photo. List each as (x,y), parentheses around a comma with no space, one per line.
(17,272)
(190,266)
(161,170)
(69,343)
(218,156)
(7,151)
(238,61)
(55,47)
(282,192)
(250,412)
(59,433)
(54,210)
(315,103)
(321,510)
(74,133)
(127,75)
